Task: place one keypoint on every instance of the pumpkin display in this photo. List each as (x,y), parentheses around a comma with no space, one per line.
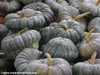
(56,5)
(44,8)
(26,18)
(61,48)
(89,67)
(8,6)
(15,43)
(94,24)
(49,66)
(91,6)
(70,12)
(90,44)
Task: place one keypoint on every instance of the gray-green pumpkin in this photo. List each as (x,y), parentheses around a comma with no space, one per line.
(30,62)
(15,43)
(9,6)
(94,24)
(44,8)
(26,18)
(61,48)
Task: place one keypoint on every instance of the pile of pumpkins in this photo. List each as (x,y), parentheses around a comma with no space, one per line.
(50,37)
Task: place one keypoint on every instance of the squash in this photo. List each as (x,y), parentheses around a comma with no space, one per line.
(3,64)
(50,66)
(89,44)
(15,43)
(44,8)
(89,67)
(9,6)
(94,24)
(26,18)
(61,48)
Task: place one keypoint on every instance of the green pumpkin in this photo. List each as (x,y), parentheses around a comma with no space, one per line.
(61,48)
(89,67)
(89,44)
(56,4)
(15,43)
(9,6)
(25,62)
(44,8)
(26,18)
(94,24)
(91,6)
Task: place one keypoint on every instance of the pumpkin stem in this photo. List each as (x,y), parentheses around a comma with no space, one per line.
(6,0)
(23,14)
(2,54)
(49,63)
(58,1)
(87,36)
(22,31)
(64,26)
(80,16)
(92,60)
(97,2)
(38,8)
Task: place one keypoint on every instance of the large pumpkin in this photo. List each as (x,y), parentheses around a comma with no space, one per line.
(8,6)
(25,62)
(44,8)
(61,48)
(15,43)
(25,18)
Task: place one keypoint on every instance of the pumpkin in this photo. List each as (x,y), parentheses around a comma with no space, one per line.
(26,18)
(9,6)
(61,48)
(56,4)
(15,43)
(94,23)
(89,67)
(68,29)
(44,8)
(89,44)
(50,66)
(91,6)
(2,64)
(70,12)
(26,2)
(3,31)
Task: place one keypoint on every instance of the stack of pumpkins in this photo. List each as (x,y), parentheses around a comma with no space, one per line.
(50,37)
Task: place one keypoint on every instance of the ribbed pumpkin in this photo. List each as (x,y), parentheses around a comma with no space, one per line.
(69,12)
(8,6)
(61,48)
(91,6)
(30,62)
(68,29)
(15,43)
(90,67)
(44,8)
(89,44)
(25,18)
(56,4)
(94,24)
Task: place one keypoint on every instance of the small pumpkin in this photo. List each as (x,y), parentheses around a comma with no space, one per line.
(15,43)
(89,44)
(44,8)
(26,18)
(9,6)
(3,64)
(50,66)
(94,24)
(61,48)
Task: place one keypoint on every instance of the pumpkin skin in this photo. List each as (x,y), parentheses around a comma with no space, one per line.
(9,6)
(94,23)
(44,8)
(69,12)
(31,19)
(14,44)
(61,48)
(27,63)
